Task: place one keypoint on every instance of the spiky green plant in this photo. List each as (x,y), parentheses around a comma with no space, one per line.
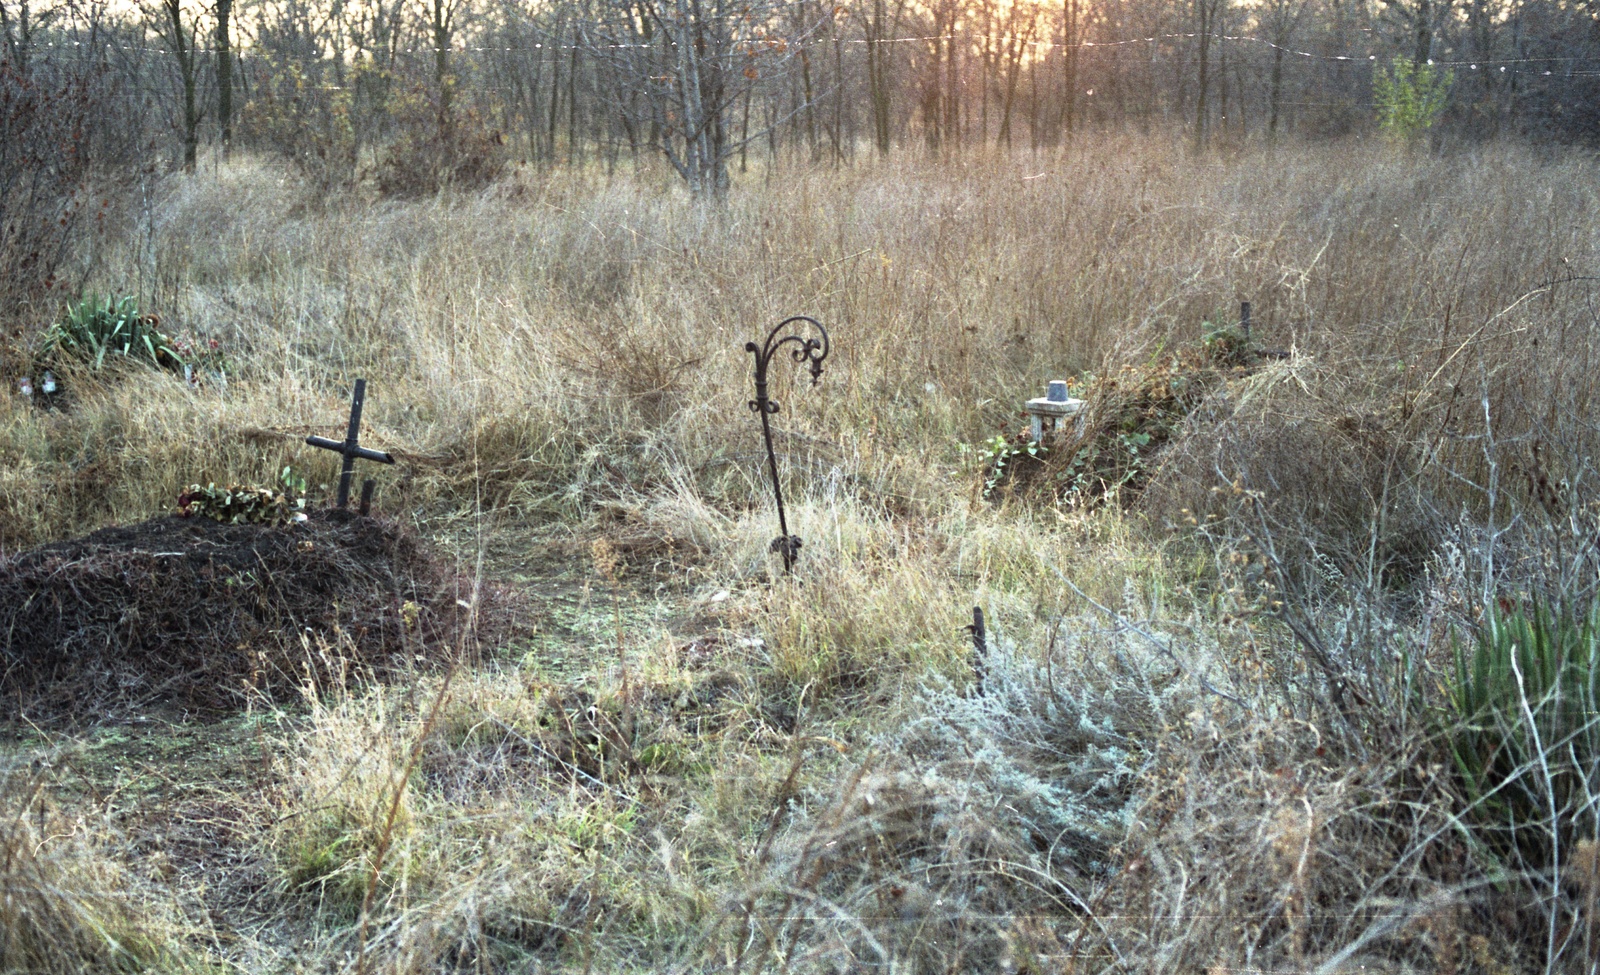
(1525,733)
(97,327)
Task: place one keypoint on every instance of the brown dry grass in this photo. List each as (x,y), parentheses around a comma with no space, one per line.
(811,774)
(70,904)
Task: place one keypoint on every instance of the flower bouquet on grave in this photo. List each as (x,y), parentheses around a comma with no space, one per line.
(237,504)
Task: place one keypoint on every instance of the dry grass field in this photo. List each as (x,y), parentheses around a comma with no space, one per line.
(1219,724)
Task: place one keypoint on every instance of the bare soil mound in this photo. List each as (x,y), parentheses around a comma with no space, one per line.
(202,614)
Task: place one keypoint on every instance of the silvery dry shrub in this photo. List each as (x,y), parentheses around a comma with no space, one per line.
(996,801)
(1052,737)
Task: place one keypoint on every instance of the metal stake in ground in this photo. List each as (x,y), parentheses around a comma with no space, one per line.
(805,350)
(350,448)
(980,646)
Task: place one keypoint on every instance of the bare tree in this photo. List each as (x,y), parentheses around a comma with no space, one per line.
(178,30)
(17,27)
(1421,21)
(1282,19)
(691,62)
(1023,23)
(1071,41)
(941,77)
(880,25)
(440,17)
(1206,14)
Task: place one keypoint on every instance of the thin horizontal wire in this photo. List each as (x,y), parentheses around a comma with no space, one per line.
(914,39)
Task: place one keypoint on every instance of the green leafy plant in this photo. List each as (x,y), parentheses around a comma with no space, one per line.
(98,327)
(1084,478)
(998,451)
(1410,97)
(236,504)
(1524,728)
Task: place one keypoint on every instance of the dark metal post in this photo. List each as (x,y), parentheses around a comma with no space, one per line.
(1244,321)
(805,350)
(367,487)
(350,443)
(980,646)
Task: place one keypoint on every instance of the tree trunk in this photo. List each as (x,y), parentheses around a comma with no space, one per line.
(18,36)
(184,52)
(1069,64)
(1203,9)
(744,133)
(837,129)
(952,85)
(572,105)
(878,76)
(1033,107)
(1277,93)
(225,76)
(1424,26)
(1222,81)
(554,116)
(806,88)
(441,25)
(1013,74)
(932,94)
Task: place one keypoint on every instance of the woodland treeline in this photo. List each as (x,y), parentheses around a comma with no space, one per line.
(410,93)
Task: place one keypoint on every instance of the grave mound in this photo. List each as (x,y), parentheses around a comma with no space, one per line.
(203,615)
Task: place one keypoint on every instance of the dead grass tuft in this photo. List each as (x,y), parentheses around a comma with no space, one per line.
(69,906)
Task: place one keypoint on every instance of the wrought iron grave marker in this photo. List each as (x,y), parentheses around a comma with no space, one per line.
(351,449)
(806,350)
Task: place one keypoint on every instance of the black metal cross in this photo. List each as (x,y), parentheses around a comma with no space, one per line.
(350,448)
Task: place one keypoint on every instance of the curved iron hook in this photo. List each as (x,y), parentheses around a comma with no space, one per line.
(812,350)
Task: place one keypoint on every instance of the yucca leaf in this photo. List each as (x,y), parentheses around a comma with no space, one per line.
(1494,745)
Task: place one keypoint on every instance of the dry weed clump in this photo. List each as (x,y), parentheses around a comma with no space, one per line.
(436,150)
(1258,844)
(867,613)
(70,907)
(500,820)
(1339,478)
(402,871)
